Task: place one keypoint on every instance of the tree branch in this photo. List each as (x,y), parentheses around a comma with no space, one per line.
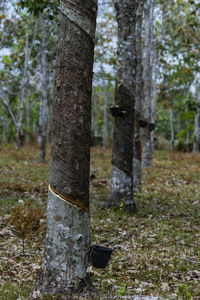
(5,103)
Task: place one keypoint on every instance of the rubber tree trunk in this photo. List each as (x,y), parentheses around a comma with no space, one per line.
(105,116)
(146,152)
(43,117)
(121,188)
(67,244)
(105,121)
(172,128)
(187,140)
(25,79)
(139,96)
(154,74)
(196,125)
(22,95)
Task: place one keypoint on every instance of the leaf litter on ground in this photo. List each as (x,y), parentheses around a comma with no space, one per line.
(157,253)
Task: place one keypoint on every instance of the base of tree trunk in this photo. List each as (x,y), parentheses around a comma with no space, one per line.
(137,175)
(121,191)
(66,254)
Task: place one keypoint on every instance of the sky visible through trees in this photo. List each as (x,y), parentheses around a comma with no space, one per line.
(175,49)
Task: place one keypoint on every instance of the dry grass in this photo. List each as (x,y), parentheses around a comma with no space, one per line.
(159,251)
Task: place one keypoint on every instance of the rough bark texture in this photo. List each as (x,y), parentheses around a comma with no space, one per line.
(43,117)
(122,153)
(66,250)
(147,154)
(139,95)
(70,133)
(68,234)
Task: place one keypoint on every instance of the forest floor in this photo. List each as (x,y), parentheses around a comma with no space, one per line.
(158,252)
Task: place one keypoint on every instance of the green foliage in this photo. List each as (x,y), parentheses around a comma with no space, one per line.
(177,44)
(49,7)
(122,289)
(20,36)
(98,102)
(185,292)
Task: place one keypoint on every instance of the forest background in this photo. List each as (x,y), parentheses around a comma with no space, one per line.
(28,46)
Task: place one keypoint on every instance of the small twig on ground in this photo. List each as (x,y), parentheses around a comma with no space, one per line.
(106,244)
(189,260)
(196,243)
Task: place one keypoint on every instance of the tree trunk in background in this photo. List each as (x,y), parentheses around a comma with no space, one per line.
(187,141)
(43,117)
(22,96)
(153,113)
(147,153)
(105,121)
(139,96)
(24,82)
(122,152)
(196,124)
(155,73)
(67,244)
(172,128)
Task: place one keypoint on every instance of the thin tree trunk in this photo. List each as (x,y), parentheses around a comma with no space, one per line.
(22,95)
(155,72)
(105,121)
(172,129)
(196,132)
(147,153)
(121,188)
(23,87)
(139,96)
(67,244)
(196,124)
(187,139)
(153,113)
(43,117)
(28,114)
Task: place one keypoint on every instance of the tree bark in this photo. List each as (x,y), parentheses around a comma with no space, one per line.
(122,152)
(172,128)
(155,73)
(24,82)
(67,244)
(105,121)
(187,140)
(43,117)
(196,124)
(139,96)
(147,153)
